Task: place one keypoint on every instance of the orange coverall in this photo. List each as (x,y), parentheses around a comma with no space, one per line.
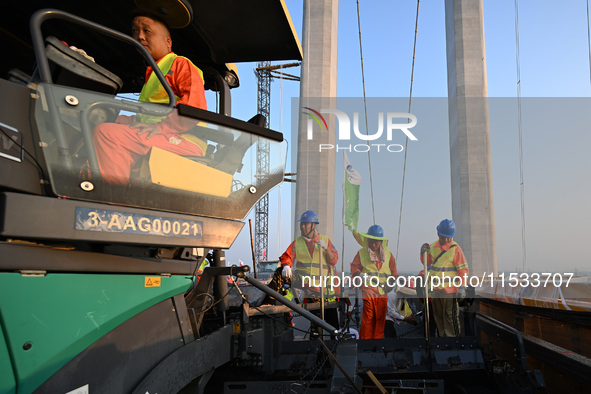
(118,145)
(375,305)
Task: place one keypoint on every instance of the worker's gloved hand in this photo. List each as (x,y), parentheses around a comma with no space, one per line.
(286,273)
(425,248)
(461,292)
(321,244)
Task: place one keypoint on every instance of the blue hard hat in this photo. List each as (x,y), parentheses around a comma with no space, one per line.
(446,228)
(309,217)
(376,231)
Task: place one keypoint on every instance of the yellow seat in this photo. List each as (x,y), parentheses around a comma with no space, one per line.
(171,170)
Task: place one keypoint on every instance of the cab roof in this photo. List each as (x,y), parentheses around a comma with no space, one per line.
(222,31)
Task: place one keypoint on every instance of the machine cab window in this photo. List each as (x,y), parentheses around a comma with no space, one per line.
(75,98)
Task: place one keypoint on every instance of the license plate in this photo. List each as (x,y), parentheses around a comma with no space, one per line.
(103,220)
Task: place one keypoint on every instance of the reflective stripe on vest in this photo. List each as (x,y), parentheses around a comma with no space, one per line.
(154,92)
(370,268)
(307,264)
(310,265)
(444,267)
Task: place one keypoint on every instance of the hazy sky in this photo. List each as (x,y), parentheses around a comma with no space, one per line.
(554,61)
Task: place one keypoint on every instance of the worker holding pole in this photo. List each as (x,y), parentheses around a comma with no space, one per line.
(313,258)
(376,264)
(446,261)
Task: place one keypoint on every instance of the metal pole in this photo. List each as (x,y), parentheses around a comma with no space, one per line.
(254,263)
(321,288)
(305,313)
(221,288)
(338,364)
(343,251)
(425,276)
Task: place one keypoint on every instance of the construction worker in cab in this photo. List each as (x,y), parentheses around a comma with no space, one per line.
(445,261)
(307,253)
(119,146)
(375,263)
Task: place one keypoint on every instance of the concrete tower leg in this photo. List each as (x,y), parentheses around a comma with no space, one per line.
(315,170)
(471,170)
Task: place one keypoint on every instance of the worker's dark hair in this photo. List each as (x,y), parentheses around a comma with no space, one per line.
(150,14)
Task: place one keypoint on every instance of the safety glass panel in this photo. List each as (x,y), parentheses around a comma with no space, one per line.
(114,150)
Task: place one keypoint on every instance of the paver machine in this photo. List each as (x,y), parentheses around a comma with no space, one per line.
(93,275)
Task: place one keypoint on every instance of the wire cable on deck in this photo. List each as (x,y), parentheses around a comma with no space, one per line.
(412,73)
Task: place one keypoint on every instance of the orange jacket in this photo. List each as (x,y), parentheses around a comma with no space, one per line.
(186,83)
(459,262)
(288,256)
(357,267)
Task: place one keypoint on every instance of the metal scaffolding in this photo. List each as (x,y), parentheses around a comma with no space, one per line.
(262,208)
(265,72)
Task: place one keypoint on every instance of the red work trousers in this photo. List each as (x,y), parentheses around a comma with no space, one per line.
(373,319)
(119,146)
